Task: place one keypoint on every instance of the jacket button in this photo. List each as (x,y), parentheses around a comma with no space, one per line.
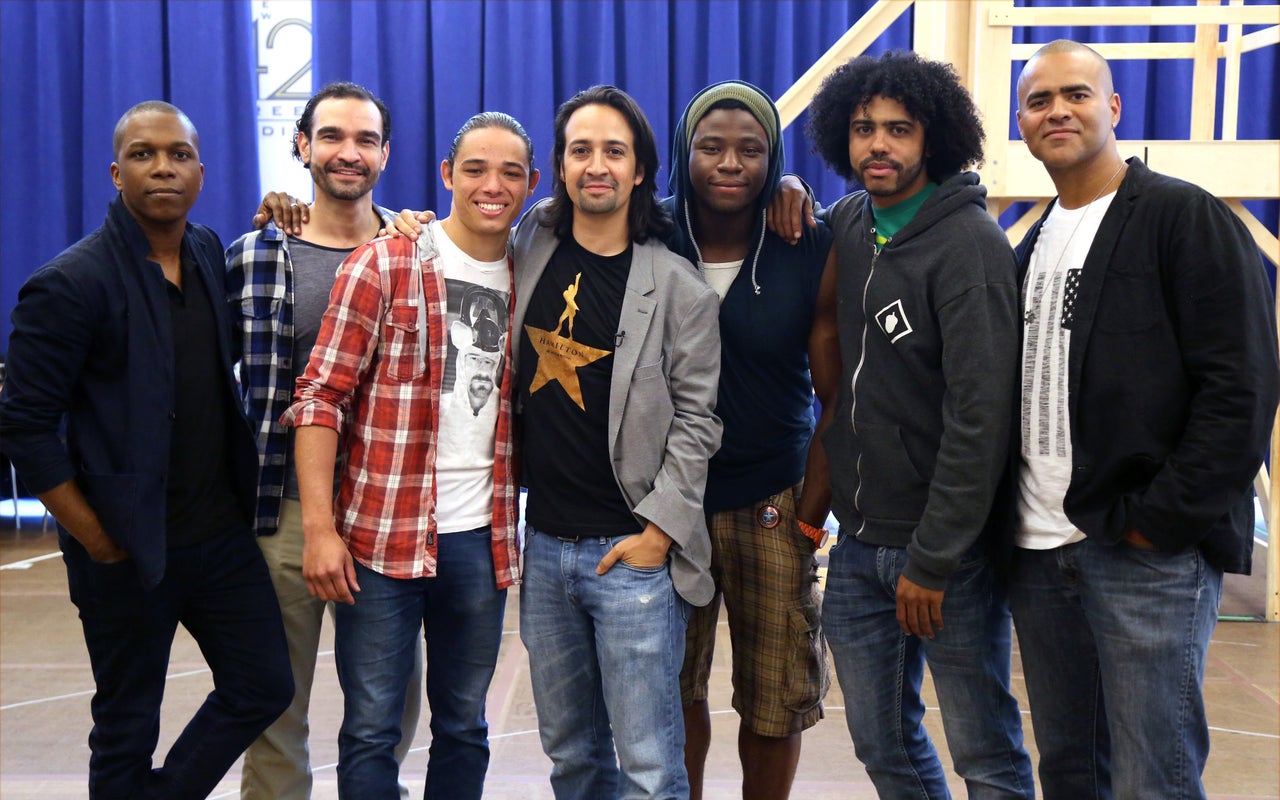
(173,415)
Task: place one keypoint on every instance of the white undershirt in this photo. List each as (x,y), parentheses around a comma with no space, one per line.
(720,274)
(1049,297)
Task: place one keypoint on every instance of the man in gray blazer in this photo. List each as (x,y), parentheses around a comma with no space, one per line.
(617,365)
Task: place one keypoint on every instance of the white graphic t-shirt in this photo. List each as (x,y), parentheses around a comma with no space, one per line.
(1049,297)
(477,295)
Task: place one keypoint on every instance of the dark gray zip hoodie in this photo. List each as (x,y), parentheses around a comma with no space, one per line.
(929,336)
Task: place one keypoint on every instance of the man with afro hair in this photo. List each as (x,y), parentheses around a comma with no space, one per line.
(928,316)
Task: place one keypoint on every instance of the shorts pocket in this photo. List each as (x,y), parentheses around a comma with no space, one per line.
(808,672)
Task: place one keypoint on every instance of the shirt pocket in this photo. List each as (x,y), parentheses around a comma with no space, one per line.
(400,351)
(1132,300)
(259,307)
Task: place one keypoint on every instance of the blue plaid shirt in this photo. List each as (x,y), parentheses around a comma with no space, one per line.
(260,294)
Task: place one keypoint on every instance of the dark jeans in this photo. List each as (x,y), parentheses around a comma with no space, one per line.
(220,592)
(460,612)
(880,670)
(1114,643)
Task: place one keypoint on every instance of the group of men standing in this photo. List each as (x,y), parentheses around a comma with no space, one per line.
(1069,431)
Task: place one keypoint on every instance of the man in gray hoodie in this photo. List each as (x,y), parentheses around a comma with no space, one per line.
(928,325)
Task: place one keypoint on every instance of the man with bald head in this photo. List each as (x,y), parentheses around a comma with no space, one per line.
(1149,383)
(126,336)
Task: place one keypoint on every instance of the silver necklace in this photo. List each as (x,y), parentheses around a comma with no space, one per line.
(1030,314)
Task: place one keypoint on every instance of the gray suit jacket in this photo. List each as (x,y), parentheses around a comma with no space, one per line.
(662,424)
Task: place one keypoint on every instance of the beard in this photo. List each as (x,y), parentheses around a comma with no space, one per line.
(876,188)
(479,389)
(343,191)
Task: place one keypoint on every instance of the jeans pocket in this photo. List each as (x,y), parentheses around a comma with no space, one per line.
(653,570)
(808,671)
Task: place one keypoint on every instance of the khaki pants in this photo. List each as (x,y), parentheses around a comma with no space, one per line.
(277,765)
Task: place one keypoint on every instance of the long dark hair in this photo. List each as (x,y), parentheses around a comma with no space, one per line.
(645,218)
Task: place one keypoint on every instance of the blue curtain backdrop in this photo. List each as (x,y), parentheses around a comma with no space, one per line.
(437,63)
(70,68)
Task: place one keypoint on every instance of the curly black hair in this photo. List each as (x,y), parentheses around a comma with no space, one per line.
(930,91)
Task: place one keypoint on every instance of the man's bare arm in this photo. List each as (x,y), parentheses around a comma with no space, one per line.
(791,209)
(824,369)
(327,566)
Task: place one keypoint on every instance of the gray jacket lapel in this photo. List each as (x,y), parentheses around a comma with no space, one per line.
(633,328)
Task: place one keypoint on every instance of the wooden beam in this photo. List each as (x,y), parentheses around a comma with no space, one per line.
(1019,228)
(990,73)
(1266,240)
(1230,51)
(1259,39)
(1273,548)
(1120,51)
(1091,16)
(1247,169)
(1204,79)
(942,31)
(1123,51)
(855,42)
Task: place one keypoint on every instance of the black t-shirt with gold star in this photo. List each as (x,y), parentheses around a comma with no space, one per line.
(566,364)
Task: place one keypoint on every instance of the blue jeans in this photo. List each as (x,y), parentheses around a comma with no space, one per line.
(460,611)
(219,590)
(604,657)
(1113,643)
(880,669)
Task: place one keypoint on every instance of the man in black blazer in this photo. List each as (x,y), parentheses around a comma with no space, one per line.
(127,337)
(1149,385)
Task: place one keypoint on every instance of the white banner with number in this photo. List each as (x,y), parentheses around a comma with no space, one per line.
(282,33)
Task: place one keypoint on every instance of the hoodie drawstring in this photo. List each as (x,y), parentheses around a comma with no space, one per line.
(754,259)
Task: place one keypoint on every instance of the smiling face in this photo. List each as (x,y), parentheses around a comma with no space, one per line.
(728,161)
(1067,110)
(886,151)
(599,168)
(157,168)
(490,178)
(345,152)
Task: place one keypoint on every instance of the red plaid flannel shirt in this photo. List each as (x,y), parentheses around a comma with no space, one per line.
(369,380)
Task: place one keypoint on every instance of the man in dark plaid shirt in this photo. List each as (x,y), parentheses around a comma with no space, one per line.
(278,287)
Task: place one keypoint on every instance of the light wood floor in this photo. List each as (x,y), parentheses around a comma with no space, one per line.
(45,686)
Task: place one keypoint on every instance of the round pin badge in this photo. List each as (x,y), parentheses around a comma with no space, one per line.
(768,516)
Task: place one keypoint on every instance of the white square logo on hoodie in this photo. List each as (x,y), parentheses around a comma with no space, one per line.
(893,321)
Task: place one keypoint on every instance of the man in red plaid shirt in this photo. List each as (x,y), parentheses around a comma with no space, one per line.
(409,379)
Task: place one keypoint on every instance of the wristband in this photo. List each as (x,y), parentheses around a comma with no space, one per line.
(816,535)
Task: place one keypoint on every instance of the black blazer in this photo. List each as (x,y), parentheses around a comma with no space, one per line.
(1172,372)
(92,343)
